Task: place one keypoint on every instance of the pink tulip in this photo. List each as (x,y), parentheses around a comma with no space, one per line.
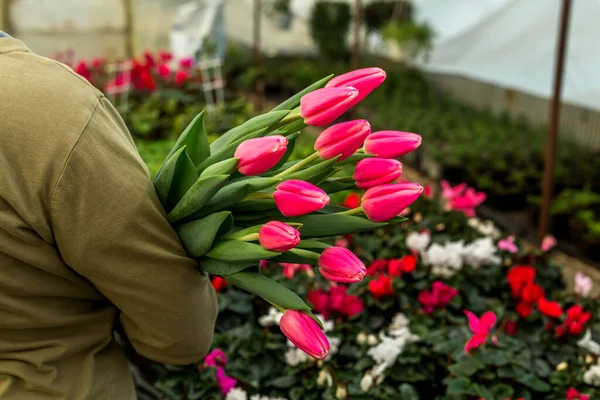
(385,202)
(304,333)
(371,172)
(342,139)
(391,144)
(260,154)
(548,242)
(277,236)
(323,106)
(338,264)
(294,198)
(365,80)
(508,244)
(480,327)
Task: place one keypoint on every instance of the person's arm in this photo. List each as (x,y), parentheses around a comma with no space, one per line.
(109,227)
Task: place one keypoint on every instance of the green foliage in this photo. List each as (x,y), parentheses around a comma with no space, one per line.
(329,27)
(418,37)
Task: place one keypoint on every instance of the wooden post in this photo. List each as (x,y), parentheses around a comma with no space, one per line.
(129,29)
(553,123)
(5,22)
(257,55)
(357,25)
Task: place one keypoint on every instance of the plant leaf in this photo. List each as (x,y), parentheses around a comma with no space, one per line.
(183,179)
(198,236)
(197,196)
(239,251)
(273,292)
(226,167)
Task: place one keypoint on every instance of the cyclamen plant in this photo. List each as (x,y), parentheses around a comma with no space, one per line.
(239,200)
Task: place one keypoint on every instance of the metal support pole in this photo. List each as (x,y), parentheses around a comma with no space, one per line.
(256,55)
(357,24)
(550,155)
(129,29)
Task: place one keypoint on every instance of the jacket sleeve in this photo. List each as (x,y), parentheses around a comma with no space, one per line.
(109,227)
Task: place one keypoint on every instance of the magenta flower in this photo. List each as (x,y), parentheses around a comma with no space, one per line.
(323,106)
(295,197)
(365,80)
(439,296)
(508,244)
(260,154)
(277,236)
(371,172)
(338,264)
(342,139)
(384,202)
(226,383)
(391,144)
(480,327)
(289,269)
(548,242)
(215,358)
(304,333)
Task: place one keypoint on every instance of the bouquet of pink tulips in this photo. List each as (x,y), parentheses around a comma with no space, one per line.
(239,200)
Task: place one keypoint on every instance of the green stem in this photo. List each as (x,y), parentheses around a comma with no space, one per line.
(294,115)
(249,237)
(305,253)
(298,166)
(351,211)
(258,196)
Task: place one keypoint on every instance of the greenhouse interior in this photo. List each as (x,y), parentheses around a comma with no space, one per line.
(299,199)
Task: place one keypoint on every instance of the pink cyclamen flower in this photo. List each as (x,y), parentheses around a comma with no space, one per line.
(186,62)
(342,139)
(294,198)
(342,242)
(277,236)
(583,284)
(338,264)
(304,333)
(573,394)
(465,202)
(83,70)
(215,358)
(480,327)
(385,202)
(164,70)
(439,296)
(226,383)
(181,77)
(260,154)
(323,106)
(449,192)
(508,244)
(548,242)
(365,80)
(289,269)
(372,172)
(391,144)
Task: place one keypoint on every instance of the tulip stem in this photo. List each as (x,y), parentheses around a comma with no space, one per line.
(352,211)
(258,196)
(305,253)
(249,237)
(294,115)
(299,165)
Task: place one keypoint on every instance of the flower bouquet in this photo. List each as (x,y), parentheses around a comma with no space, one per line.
(239,200)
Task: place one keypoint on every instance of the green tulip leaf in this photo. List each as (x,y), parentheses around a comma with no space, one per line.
(335,185)
(164,178)
(197,196)
(223,268)
(238,251)
(198,236)
(273,292)
(226,167)
(254,205)
(183,179)
(328,225)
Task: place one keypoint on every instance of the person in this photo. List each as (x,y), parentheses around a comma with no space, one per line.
(84,244)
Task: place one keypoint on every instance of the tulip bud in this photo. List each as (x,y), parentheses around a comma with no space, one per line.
(365,80)
(260,154)
(277,236)
(295,197)
(342,139)
(339,264)
(391,144)
(384,202)
(323,106)
(304,333)
(372,172)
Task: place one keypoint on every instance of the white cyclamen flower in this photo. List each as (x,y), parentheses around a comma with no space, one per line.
(372,340)
(592,376)
(481,252)
(341,392)
(399,321)
(271,318)
(588,344)
(418,241)
(236,394)
(295,356)
(324,378)
(487,228)
(366,382)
